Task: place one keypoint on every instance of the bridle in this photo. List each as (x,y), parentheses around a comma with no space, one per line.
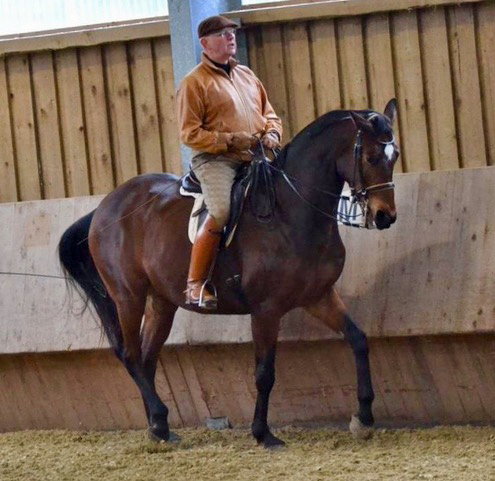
(362,194)
(358,196)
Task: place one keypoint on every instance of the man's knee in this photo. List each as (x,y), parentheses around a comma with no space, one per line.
(221,215)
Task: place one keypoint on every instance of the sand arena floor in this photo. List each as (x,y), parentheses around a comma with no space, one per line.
(445,453)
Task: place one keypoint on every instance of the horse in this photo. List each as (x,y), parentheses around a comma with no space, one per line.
(129,257)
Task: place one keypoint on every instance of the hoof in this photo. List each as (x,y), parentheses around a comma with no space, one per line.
(272,443)
(160,436)
(359,430)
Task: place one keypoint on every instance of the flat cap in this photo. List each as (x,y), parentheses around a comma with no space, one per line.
(214,24)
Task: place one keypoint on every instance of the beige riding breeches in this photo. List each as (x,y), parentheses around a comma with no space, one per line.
(216,174)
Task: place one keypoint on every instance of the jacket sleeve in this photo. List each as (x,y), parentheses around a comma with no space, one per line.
(273,122)
(190,113)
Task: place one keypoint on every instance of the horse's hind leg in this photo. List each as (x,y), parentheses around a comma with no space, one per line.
(158,320)
(332,311)
(130,309)
(265,334)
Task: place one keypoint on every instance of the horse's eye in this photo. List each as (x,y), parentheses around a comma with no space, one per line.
(374,159)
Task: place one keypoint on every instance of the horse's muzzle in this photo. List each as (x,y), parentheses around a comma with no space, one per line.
(384,220)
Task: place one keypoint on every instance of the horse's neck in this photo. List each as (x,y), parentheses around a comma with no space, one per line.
(313,166)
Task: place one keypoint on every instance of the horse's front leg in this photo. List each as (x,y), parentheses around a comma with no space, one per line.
(332,311)
(265,332)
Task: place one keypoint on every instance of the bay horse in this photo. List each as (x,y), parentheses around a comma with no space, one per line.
(134,248)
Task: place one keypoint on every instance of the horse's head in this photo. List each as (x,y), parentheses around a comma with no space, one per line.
(375,154)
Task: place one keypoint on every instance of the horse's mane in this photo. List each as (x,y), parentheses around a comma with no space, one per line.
(322,123)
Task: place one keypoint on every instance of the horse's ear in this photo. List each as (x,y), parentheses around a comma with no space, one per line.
(360,122)
(391,110)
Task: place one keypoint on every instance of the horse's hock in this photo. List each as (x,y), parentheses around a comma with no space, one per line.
(422,291)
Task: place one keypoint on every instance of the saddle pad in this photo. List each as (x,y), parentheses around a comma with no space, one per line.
(198,213)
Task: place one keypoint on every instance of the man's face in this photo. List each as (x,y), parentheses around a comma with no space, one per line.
(220,46)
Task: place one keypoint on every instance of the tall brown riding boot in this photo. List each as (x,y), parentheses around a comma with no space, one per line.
(203,254)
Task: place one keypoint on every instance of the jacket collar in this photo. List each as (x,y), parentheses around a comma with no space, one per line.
(206,61)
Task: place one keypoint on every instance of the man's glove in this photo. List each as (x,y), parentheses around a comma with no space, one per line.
(241,141)
(270,140)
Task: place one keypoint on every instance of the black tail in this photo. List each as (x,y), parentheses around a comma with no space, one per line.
(80,270)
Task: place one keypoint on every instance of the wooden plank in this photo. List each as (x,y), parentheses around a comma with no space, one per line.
(47,121)
(482,355)
(164,390)
(389,380)
(191,376)
(485,22)
(468,381)
(409,88)
(414,392)
(467,93)
(179,388)
(298,76)
(72,128)
(273,75)
(352,67)
(120,109)
(442,371)
(85,36)
(379,61)
(21,103)
(96,121)
(145,107)
(166,106)
(325,66)
(20,399)
(310,11)
(255,52)
(8,186)
(438,89)
(380,68)
(422,376)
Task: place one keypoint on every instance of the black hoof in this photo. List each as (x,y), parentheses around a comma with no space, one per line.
(158,435)
(272,443)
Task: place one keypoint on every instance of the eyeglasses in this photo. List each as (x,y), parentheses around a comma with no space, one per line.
(223,33)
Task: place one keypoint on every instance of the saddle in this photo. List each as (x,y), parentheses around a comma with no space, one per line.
(249,173)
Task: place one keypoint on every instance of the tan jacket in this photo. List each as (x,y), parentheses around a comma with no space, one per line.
(211,105)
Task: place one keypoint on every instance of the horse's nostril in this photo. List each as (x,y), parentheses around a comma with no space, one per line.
(383,220)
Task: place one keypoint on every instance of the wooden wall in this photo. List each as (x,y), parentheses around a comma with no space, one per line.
(437,61)
(81,120)
(417,380)
(440,248)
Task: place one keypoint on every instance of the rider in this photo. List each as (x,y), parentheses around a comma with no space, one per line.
(221,106)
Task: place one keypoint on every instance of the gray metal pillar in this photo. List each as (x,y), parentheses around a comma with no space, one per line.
(184,16)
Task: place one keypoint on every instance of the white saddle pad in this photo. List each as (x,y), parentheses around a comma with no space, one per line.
(192,228)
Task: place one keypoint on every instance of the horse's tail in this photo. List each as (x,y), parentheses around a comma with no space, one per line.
(81,274)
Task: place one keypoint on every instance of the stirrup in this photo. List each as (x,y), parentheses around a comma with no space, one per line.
(210,303)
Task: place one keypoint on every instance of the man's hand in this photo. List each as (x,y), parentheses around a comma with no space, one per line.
(241,141)
(270,140)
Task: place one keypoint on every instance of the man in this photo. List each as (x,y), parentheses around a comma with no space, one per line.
(221,106)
